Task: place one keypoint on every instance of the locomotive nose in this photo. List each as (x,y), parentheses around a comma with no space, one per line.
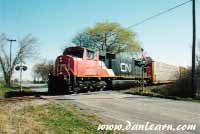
(63,65)
(59,65)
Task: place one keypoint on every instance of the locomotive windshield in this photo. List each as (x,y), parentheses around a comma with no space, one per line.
(74,52)
(90,54)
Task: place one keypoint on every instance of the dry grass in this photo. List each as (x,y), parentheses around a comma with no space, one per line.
(3,122)
(51,118)
(13,122)
(145,90)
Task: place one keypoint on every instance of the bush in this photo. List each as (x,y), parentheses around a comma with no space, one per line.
(198,80)
(181,88)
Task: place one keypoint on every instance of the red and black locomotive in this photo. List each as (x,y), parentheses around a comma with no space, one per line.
(80,69)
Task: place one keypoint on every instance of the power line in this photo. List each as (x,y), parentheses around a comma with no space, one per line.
(154,16)
(159,14)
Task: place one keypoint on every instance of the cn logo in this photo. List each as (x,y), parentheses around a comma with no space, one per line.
(125,67)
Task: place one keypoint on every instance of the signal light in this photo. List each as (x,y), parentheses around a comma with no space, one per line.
(17,68)
(24,68)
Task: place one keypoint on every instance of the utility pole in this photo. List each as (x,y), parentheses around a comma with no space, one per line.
(193,77)
(11,40)
(10,66)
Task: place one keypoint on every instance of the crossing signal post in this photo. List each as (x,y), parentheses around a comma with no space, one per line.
(142,64)
(21,68)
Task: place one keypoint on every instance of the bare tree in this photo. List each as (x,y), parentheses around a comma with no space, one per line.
(198,69)
(198,53)
(26,49)
(41,70)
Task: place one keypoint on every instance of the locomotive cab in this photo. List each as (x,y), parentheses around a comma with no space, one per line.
(74,51)
(80,52)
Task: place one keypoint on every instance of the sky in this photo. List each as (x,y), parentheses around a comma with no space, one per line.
(167,38)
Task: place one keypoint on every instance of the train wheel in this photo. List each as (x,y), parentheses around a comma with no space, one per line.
(109,85)
(101,85)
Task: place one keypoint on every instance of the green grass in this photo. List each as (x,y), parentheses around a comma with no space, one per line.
(50,118)
(161,91)
(14,88)
(57,119)
(3,89)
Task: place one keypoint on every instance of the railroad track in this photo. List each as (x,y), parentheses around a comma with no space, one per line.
(17,99)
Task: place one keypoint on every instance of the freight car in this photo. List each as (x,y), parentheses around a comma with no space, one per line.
(165,73)
(79,69)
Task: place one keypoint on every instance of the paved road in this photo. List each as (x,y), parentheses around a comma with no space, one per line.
(138,109)
(36,87)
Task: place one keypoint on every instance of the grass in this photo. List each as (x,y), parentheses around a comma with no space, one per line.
(14,88)
(51,118)
(160,91)
(3,89)
(57,119)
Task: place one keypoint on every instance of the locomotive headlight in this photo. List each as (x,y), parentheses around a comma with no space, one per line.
(60,73)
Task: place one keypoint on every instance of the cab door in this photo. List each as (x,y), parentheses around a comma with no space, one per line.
(91,63)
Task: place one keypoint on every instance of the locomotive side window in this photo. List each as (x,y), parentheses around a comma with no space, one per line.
(74,52)
(90,54)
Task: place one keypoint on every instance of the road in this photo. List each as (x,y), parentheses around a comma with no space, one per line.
(118,108)
(36,87)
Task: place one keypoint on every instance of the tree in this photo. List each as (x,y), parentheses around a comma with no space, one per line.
(198,69)
(82,39)
(41,71)
(198,54)
(26,49)
(108,37)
